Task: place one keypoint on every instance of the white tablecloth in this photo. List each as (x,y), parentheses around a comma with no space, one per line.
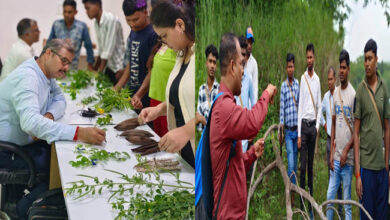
(98,207)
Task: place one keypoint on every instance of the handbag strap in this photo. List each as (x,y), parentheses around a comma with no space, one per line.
(292,94)
(373,103)
(311,95)
(342,110)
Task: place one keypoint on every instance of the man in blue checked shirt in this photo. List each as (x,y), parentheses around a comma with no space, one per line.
(74,30)
(289,99)
(327,104)
(209,90)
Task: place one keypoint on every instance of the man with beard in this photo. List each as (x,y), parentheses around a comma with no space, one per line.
(30,103)
(209,90)
(341,155)
(309,115)
(372,115)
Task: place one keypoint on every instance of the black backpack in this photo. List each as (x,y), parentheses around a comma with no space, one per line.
(50,205)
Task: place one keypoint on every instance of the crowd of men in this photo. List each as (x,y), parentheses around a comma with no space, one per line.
(356,125)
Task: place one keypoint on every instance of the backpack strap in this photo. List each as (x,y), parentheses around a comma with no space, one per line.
(231,154)
(203,173)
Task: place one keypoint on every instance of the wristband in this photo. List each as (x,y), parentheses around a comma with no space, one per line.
(357,175)
(75,135)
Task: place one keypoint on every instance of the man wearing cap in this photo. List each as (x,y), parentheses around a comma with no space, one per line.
(251,65)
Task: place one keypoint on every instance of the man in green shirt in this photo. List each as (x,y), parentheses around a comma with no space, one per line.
(371,123)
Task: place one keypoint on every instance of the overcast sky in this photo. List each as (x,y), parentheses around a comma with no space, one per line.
(363,24)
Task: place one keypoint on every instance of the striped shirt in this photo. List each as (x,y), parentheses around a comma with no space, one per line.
(110,41)
(288,109)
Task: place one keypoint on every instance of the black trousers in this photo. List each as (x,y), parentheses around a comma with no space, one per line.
(111,75)
(308,141)
(39,151)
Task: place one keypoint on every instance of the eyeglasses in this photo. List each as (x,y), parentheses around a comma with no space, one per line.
(63,59)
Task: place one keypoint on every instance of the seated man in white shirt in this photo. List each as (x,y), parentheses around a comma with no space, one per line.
(30,103)
(21,50)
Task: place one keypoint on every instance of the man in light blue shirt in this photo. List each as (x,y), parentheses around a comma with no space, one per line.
(247,98)
(74,30)
(326,106)
(30,103)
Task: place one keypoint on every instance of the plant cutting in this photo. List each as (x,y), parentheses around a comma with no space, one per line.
(141,196)
(88,156)
(105,120)
(110,99)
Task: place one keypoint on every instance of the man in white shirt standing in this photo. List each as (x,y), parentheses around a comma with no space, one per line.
(309,114)
(109,34)
(251,65)
(21,50)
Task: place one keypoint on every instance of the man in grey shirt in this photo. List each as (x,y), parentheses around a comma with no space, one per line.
(341,155)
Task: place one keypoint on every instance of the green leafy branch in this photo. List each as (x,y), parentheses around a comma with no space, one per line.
(102,82)
(89,156)
(78,80)
(105,120)
(88,100)
(154,203)
(110,99)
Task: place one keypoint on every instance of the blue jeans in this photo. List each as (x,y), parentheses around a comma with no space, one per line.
(292,153)
(338,175)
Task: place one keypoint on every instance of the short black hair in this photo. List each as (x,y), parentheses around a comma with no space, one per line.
(131,6)
(310,47)
(211,49)
(227,51)
(93,2)
(371,45)
(290,57)
(243,42)
(165,14)
(331,69)
(24,26)
(344,55)
(70,3)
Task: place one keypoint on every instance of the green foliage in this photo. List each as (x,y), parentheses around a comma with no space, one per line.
(154,203)
(102,82)
(110,99)
(105,120)
(88,156)
(88,100)
(79,79)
